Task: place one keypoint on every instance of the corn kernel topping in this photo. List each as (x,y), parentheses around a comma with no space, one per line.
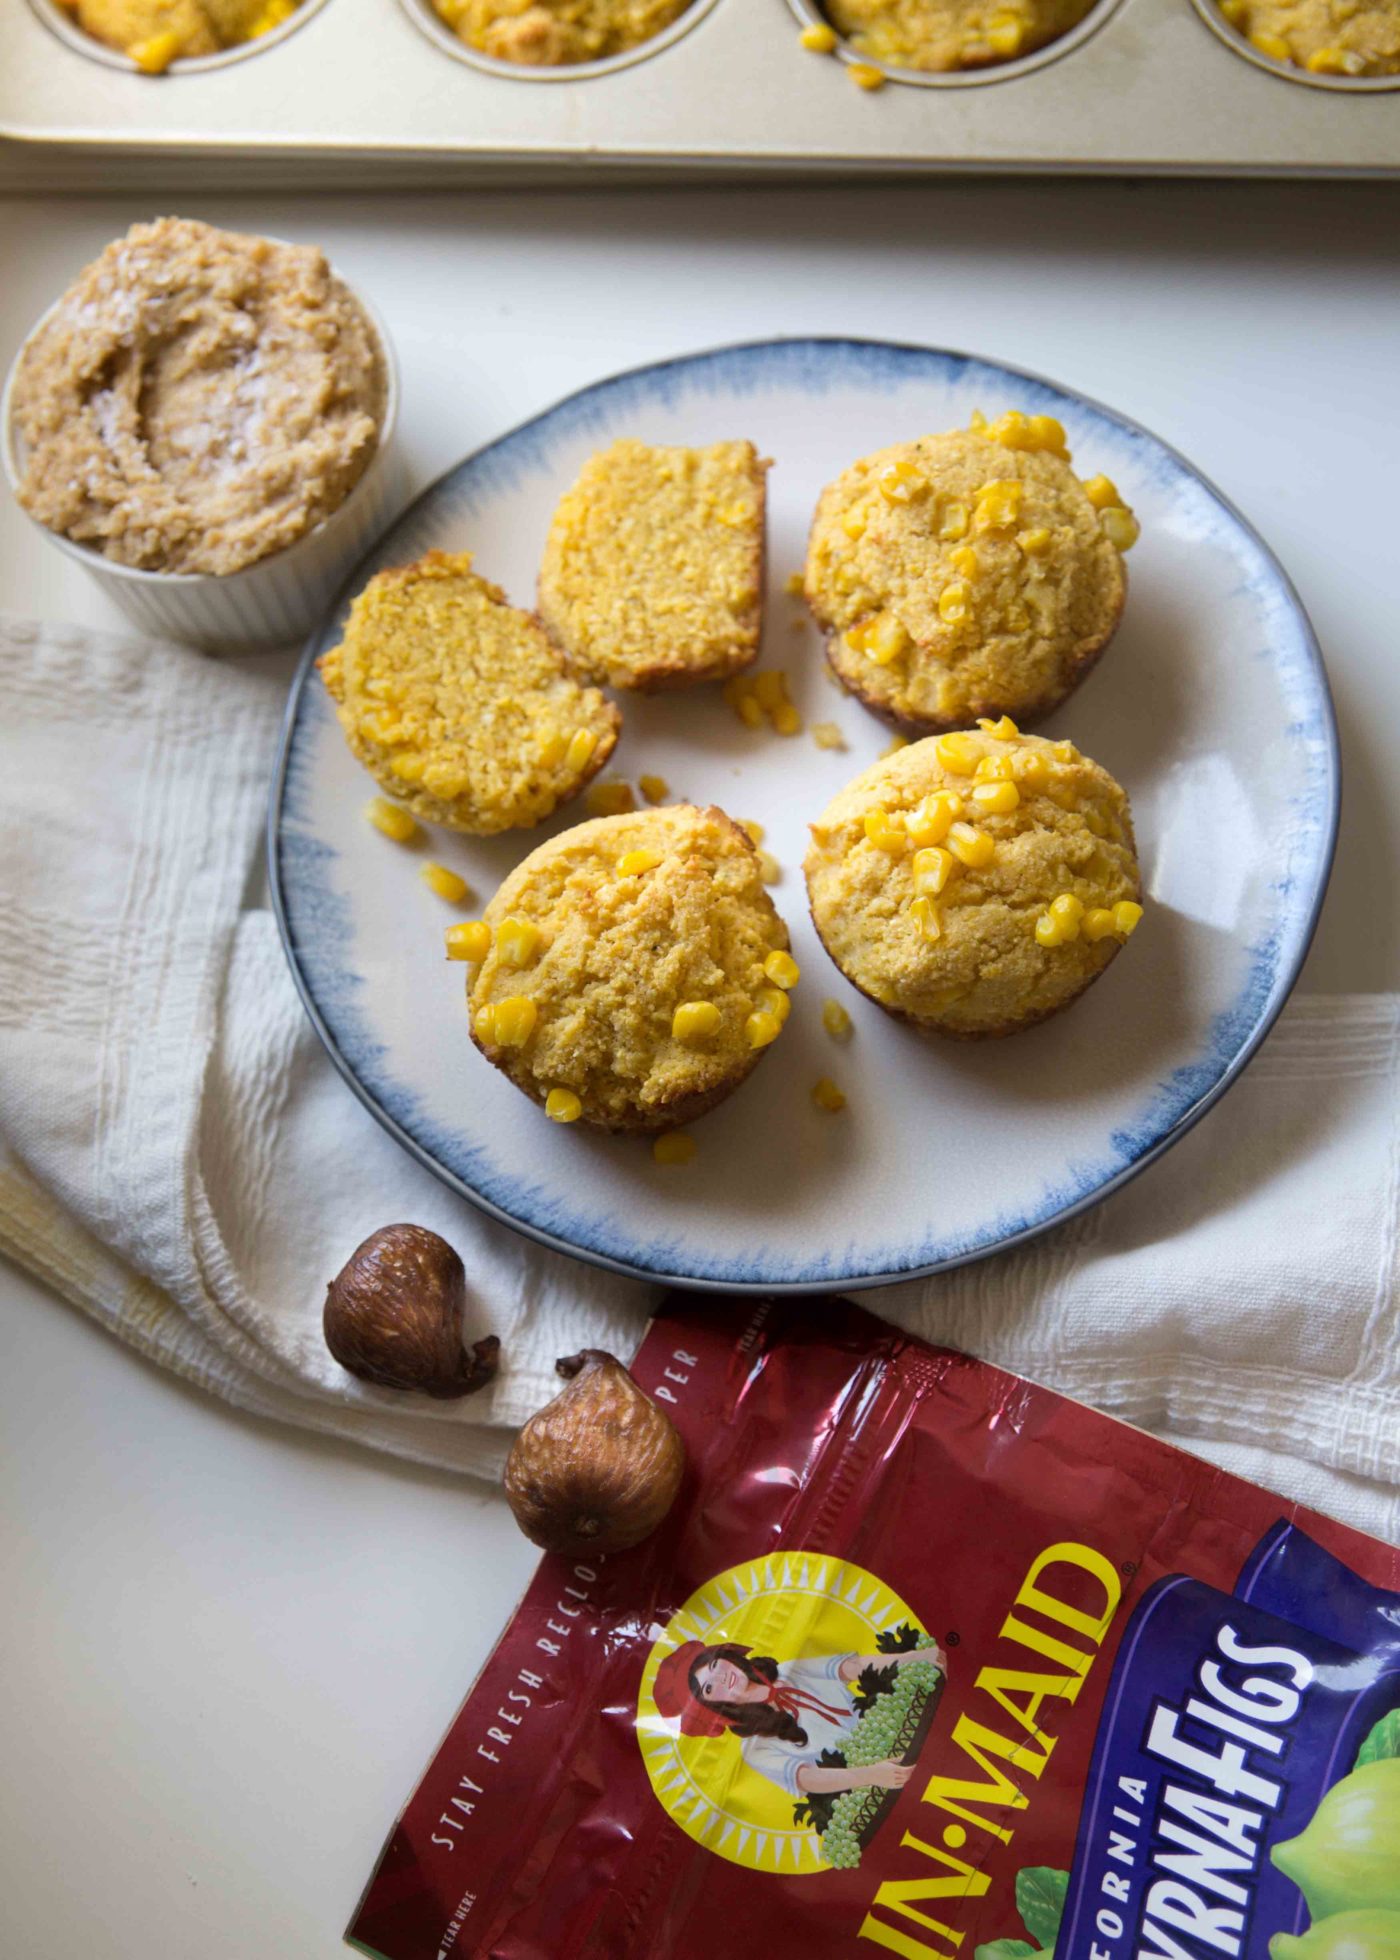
(996,799)
(772,1000)
(611,799)
(1005,729)
(562,1106)
(836,1020)
(517,941)
(930,821)
(693,1020)
(900,482)
(392,821)
(973,846)
(926,917)
(485,1022)
(447,884)
(865,76)
(932,870)
(633,863)
(515,1021)
(1120,527)
(580,749)
(654,788)
(818,37)
(782,969)
(762,1027)
(826,1095)
(886,832)
(827,735)
(952,603)
(1126,914)
(958,753)
(469,941)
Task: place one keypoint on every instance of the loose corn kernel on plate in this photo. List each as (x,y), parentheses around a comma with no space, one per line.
(858,1151)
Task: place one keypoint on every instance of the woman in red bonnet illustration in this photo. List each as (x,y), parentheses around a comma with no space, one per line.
(785,1713)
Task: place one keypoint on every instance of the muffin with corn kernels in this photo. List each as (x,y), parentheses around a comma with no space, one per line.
(1324,37)
(557,33)
(631,972)
(458,704)
(977,882)
(938,35)
(652,574)
(155,33)
(967,574)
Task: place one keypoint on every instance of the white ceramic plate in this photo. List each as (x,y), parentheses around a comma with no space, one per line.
(1211,707)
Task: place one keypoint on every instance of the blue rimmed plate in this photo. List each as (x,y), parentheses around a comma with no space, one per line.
(1211,707)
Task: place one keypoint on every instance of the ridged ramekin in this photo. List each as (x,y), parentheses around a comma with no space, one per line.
(276,600)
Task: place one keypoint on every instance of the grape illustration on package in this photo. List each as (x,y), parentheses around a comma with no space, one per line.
(927,1661)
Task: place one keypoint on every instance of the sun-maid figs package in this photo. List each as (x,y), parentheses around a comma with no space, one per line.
(925,1661)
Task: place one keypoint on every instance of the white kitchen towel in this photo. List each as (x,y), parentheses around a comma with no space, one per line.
(180,1160)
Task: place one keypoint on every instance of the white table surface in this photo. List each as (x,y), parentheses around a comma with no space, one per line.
(226,1649)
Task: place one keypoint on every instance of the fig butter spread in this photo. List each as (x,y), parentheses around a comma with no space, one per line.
(198,400)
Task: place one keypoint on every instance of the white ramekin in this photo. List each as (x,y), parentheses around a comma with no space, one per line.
(276,600)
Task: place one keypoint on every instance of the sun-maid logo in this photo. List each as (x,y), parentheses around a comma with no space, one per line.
(782,1706)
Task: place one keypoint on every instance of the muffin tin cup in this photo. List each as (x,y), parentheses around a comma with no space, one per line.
(429,21)
(811,14)
(270,603)
(72,36)
(1288,71)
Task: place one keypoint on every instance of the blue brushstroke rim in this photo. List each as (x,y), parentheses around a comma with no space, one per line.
(1240,1028)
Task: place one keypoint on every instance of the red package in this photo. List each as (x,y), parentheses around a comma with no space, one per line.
(927,1661)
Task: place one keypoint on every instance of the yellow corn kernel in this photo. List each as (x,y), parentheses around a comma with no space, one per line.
(753,830)
(1126,915)
(469,941)
(956,519)
(827,735)
(998,505)
(894,745)
(271,16)
(553,747)
(886,832)
(926,917)
(1067,911)
(792,585)
(932,870)
(609,799)
(885,639)
(654,788)
(762,1027)
(1101,492)
(1011,429)
(769,869)
(836,1020)
(770,688)
(958,753)
(515,1020)
(693,1020)
(901,481)
(1097,923)
(1033,769)
(930,822)
(819,37)
(854,520)
(580,750)
(1044,432)
(1272,45)
(782,969)
(965,561)
(996,799)
(1097,826)
(1005,34)
(674,1148)
(155,54)
(748,710)
(1035,541)
(633,863)
(826,1095)
(1334,61)
(972,846)
(391,820)
(562,1106)
(1120,527)
(1048,931)
(994,769)
(484,1022)
(786,720)
(1066,752)
(952,603)
(517,941)
(772,1000)
(857,637)
(977,422)
(408,766)
(1235,11)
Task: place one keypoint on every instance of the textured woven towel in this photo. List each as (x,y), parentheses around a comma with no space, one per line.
(180,1160)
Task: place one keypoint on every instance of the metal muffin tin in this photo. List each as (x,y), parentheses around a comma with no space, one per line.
(378,93)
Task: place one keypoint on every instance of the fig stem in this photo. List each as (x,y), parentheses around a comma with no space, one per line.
(569,1365)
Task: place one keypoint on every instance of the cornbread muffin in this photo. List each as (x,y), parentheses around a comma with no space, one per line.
(556,33)
(156,32)
(944,34)
(967,574)
(636,972)
(1326,37)
(975,883)
(458,705)
(198,399)
(653,568)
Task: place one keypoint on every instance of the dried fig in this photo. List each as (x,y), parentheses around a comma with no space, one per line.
(599,1467)
(394,1315)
